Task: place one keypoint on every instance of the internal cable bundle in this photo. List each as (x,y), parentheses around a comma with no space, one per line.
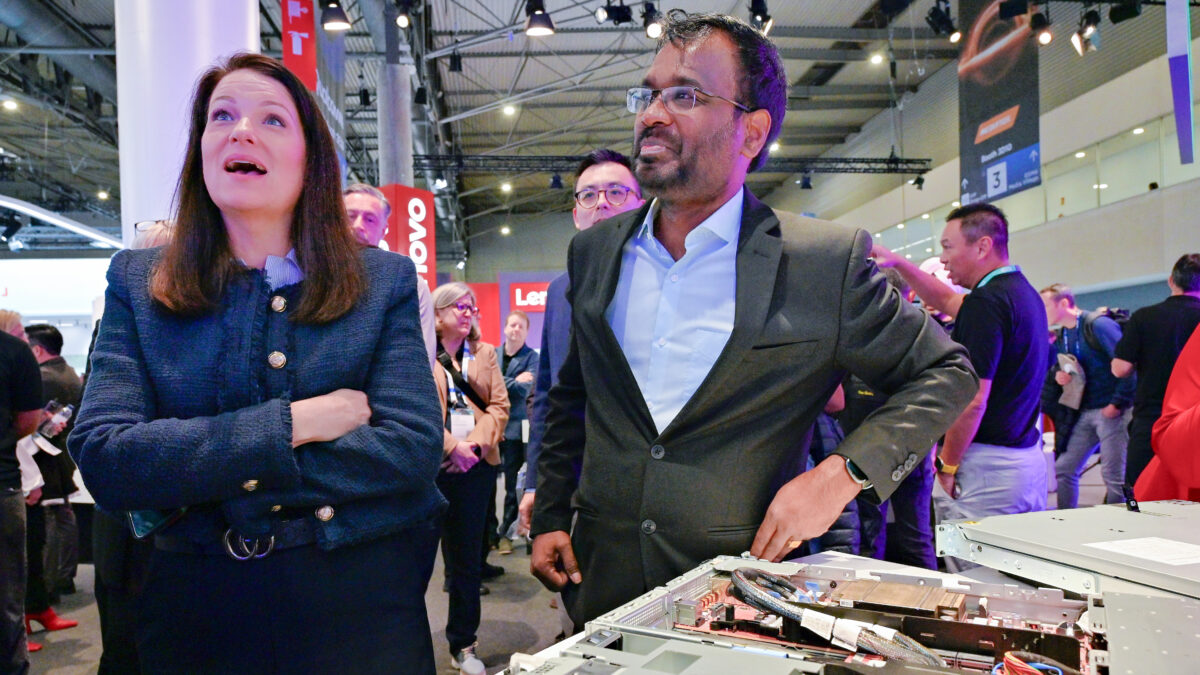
(773,593)
(1027,663)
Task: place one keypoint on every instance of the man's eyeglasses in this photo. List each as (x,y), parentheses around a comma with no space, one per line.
(677,100)
(464,308)
(614,195)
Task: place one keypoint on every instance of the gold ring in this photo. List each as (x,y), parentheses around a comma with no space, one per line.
(794,543)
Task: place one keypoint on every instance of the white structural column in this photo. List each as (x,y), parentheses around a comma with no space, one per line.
(162,48)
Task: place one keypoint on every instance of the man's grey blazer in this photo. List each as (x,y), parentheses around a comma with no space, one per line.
(810,306)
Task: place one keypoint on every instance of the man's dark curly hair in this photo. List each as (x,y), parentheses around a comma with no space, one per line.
(763,80)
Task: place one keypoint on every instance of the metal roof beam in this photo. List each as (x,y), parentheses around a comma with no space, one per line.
(788,54)
(802,32)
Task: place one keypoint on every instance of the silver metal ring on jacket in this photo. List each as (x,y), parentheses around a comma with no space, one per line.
(238,547)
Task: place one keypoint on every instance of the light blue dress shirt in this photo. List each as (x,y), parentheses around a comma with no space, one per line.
(283,271)
(673,317)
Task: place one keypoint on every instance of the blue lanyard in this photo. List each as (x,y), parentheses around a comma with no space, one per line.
(995,273)
(456,397)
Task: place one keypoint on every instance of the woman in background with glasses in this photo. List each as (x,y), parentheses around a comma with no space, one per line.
(474,424)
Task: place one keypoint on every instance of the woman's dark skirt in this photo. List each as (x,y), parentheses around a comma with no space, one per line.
(356,609)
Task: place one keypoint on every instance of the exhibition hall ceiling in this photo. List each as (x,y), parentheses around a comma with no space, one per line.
(566,93)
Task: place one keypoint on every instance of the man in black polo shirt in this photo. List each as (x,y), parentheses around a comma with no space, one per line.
(20,413)
(991,460)
(1152,341)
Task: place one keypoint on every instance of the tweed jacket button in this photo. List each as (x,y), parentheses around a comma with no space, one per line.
(277,360)
(278,303)
(897,475)
(250,485)
(910,462)
(648,526)
(657,451)
(325,513)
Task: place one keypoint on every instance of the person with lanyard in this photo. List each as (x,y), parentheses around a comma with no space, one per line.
(990,461)
(475,409)
(260,403)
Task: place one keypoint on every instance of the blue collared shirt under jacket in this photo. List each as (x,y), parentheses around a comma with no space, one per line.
(195,411)
(673,317)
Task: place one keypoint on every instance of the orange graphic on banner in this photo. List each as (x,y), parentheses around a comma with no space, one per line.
(997,125)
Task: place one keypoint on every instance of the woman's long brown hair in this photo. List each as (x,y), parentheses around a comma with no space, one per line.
(196,266)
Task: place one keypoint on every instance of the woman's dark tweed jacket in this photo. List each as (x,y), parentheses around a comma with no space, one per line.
(188,411)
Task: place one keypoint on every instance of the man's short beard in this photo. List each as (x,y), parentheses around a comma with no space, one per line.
(656,183)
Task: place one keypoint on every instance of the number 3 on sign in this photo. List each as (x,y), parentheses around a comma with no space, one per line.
(997,179)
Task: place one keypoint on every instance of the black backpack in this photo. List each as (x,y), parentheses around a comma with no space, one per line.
(1118,315)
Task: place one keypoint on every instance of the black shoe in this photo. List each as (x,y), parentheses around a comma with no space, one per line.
(490,571)
(484,590)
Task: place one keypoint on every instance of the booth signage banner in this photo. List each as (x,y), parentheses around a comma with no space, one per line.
(528,296)
(998,112)
(300,41)
(411,228)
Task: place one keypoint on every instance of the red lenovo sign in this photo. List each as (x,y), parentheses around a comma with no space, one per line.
(300,41)
(528,296)
(411,228)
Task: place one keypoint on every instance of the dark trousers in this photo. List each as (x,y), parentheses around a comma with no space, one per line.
(512,456)
(37,598)
(121,567)
(62,546)
(1138,453)
(462,530)
(14,659)
(354,609)
(908,540)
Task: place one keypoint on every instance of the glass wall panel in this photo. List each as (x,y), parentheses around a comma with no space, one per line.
(1129,162)
(1070,186)
(1024,209)
(1173,171)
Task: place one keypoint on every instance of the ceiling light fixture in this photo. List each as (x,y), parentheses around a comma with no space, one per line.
(805,182)
(1086,38)
(876,59)
(556,182)
(506,230)
(403,19)
(616,13)
(9,104)
(509,110)
(1139,131)
(1080,155)
(759,18)
(506,187)
(1040,25)
(333,17)
(439,183)
(421,96)
(1124,10)
(1011,9)
(918,182)
(652,21)
(774,147)
(455,62)
(102,195)
(537,22)
(940,21)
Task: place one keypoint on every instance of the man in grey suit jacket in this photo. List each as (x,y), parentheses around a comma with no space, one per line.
(707,333)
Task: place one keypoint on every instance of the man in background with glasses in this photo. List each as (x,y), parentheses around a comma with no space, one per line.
(604,187)
(707,333)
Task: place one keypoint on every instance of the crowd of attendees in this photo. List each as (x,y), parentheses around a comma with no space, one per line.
(286,421)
